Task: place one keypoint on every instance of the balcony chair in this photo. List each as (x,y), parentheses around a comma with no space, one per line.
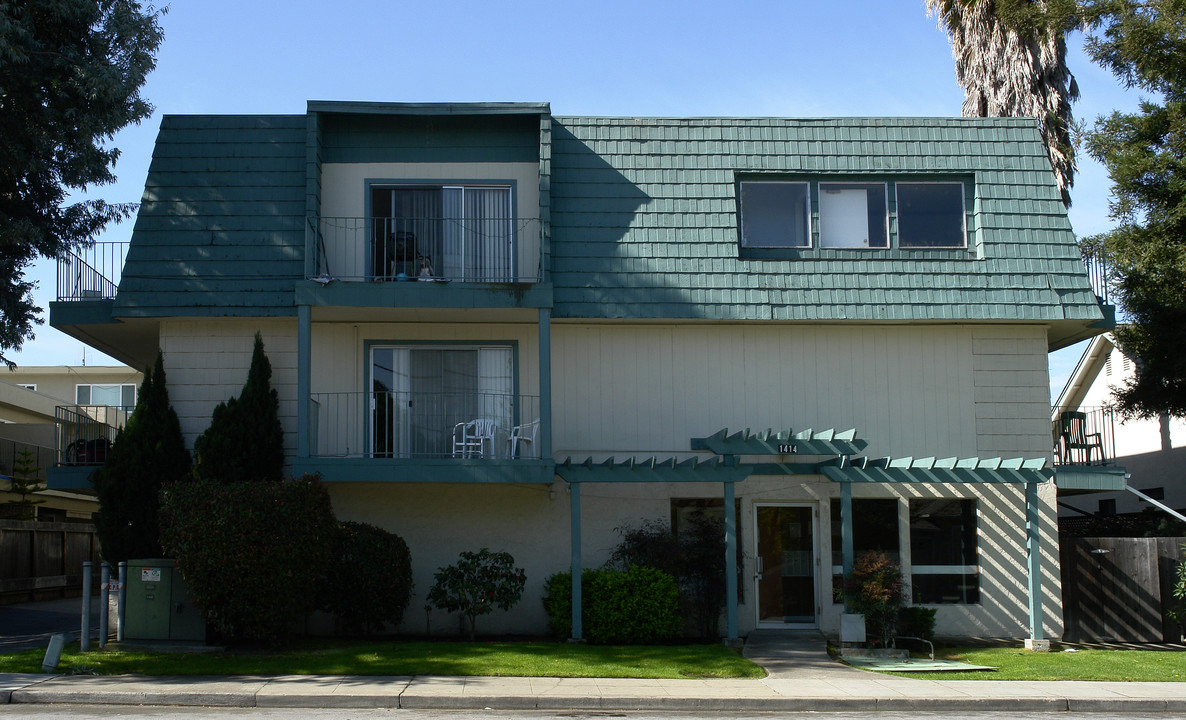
(524,433)
(470,438)
(1073,436)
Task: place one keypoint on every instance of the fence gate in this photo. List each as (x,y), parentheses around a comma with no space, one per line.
(1118,589)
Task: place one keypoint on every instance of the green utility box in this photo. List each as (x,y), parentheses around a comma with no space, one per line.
(159,606)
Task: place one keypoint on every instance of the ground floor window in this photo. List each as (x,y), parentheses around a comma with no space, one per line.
(943,552)
(121,396)
(874,528)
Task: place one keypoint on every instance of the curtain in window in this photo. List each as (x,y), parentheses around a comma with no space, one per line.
(495,388)
(453,234)
(488,233)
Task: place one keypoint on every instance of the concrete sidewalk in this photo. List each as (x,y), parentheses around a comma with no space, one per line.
(866,691)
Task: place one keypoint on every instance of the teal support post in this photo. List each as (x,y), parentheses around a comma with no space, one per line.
(304,387)
(575,512)
(545,383)
(846,543)
(730,565)
(1033,548)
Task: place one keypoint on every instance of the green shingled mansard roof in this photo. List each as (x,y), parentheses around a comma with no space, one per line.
(643,219)
(644,222)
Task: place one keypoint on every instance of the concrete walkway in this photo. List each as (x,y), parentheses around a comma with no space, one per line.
(802,677)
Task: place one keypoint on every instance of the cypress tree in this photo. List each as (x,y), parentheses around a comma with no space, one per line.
(245,441)
(149,452)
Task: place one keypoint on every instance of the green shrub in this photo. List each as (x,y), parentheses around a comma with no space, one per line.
(477,584)
(917,621)
(24,482)
(1177,610)
(148,453)
(245,441)
(252,554)
(369,581)
(634,606)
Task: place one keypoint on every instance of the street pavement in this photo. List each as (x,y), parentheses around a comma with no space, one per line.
(30,625)
(801,678)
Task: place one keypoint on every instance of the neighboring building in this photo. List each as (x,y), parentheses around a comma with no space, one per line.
(494,327)
(32,397)
(1152,451)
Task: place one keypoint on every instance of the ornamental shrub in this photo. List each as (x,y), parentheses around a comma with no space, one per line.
(252,554)
(477,584)
(917,621)
(245,441)
(1177,610)
(148,453)
(876,590)
(369,580)
(638,605)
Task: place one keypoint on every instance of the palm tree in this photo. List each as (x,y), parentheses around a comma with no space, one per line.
(1010,59)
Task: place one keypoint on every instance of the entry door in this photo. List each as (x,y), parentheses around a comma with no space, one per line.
(786,562)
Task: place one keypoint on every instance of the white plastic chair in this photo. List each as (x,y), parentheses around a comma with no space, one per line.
(470,438)
(524,433)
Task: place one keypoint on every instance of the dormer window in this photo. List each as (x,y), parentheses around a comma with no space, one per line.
(775,215)
(931,215)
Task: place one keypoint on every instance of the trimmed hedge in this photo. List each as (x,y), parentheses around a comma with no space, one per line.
(635,606)
(369,581)
(253,554)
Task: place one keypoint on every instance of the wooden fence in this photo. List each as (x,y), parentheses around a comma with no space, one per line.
(43,560)
(1118,589)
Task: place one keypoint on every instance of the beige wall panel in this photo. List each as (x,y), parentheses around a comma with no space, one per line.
(1012,387)
(207,360)
(344,190)
(646,389)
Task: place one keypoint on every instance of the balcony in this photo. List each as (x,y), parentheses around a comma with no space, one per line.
(1084,437)
(1096,263)
(84,433)
(391,426)
(91,273)
(425,249)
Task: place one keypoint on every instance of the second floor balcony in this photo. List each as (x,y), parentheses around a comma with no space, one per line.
(1084,436)
(84,433)
(91,273)
(426,249)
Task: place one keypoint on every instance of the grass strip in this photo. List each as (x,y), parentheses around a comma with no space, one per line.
(1084,664)
(323,657)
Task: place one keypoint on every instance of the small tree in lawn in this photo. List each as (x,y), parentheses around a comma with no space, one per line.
(24,482)
(875,589)
(245,441)
(148,454)
(477,584)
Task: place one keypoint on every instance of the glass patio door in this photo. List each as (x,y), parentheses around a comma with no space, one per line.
(785,556)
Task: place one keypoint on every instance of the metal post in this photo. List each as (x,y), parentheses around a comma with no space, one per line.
(120,603)
(84,639)
(846,541)
(730,565)
(104,601)
(1033,548)
(575,513)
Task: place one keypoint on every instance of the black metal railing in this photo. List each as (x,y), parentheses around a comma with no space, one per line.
(424,425)
(493,250)
(84,433)
(91,273)
(1085,436)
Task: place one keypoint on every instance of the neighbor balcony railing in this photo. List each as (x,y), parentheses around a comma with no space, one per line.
(91,273)
(491,250)
(1096,263)
(1084,436)
(424,425)
(84,433)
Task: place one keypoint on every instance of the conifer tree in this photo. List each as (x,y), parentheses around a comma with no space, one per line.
(149,452)
(25,481)
(245,441)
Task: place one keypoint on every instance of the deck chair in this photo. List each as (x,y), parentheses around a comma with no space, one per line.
(1073,437)
(520,434)
(471,438)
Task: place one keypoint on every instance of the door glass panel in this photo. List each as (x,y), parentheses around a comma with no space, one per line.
(786,556)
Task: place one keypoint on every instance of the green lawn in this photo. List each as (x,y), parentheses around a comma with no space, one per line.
(525,659)
(1021,664)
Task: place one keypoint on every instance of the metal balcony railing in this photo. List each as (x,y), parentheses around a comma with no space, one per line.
(424,425)
(91,273)
(84,433)
(493,250)
(1085,436)
(1096,263)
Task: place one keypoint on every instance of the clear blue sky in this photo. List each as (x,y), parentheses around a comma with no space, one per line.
(614,57)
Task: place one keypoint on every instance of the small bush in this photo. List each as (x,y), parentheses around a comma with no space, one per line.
(634,606)
(876,590)
(477,584)
(917,621)
(369,580)
(252,554)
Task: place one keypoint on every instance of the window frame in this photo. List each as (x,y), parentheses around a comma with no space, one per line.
(963,569)
(91,394)
(869,186)
(809,233)
(892,249)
